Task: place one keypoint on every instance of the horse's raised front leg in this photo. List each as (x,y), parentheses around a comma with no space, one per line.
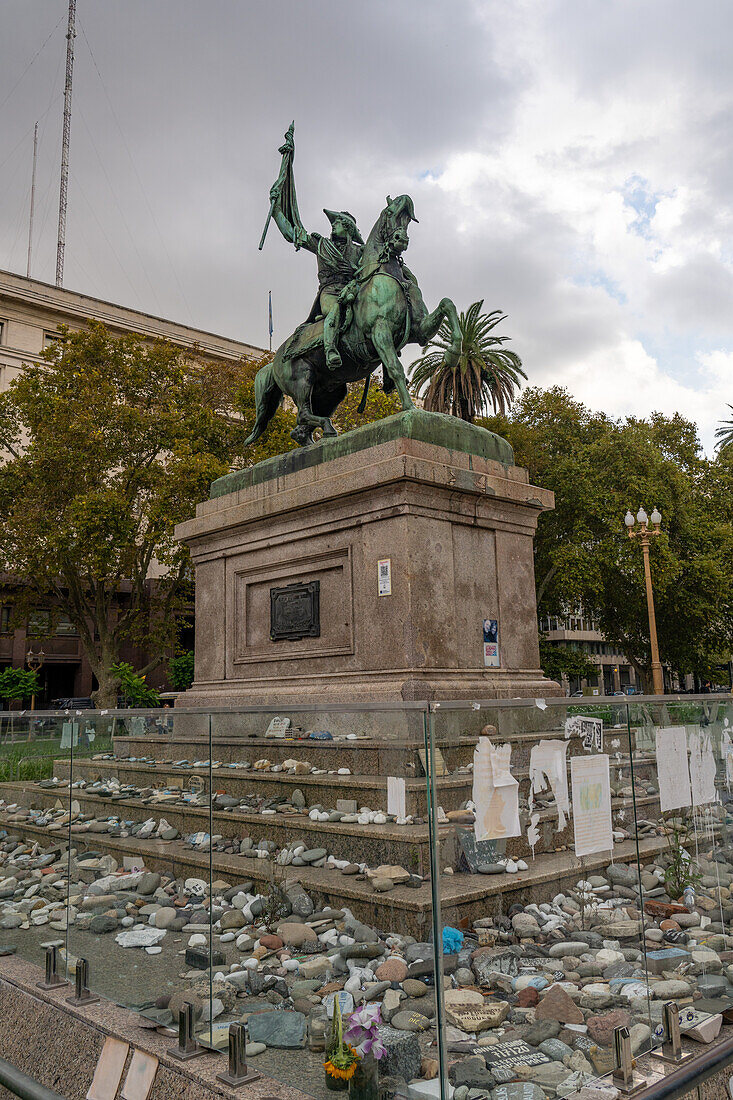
(425,330)
(384,346)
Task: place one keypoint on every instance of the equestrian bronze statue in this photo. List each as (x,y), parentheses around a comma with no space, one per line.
(368,307)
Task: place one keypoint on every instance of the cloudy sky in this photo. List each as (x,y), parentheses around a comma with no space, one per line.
(570,161)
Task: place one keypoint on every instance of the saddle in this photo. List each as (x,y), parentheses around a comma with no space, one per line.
(306,337)
(309,335)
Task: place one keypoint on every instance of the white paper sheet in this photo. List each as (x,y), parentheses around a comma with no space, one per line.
(590,778)
(673,772)
(548,770)
(495,792)
(589,729)
(396,796)
(702,767)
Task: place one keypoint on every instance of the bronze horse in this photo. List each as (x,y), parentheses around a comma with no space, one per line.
(384,311)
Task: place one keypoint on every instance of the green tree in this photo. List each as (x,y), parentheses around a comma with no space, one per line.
(17,684)
(121,439)
(487,374)
(599,467)
(724,434)
(132,686)
(180,671)
(557,661)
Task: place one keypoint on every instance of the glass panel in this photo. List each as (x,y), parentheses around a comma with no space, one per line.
(321,864)
(138,886)
(35,818)
(682,755)
(542,929)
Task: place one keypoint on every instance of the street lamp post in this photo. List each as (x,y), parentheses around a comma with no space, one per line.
(644,533)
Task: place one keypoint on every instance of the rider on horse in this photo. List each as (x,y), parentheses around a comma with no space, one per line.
(338,257)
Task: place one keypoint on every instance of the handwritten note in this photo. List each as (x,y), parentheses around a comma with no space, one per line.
(591,785)
(673,771)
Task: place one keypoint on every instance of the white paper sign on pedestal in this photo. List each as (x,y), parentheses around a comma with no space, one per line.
(590,778)
(590,729)
(495,792)
(548,769)
(702,768)
(673,772)
(396,796)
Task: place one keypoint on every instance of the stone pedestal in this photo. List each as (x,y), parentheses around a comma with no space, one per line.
(440,500)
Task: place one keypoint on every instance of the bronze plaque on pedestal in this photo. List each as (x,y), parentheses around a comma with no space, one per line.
(295,611)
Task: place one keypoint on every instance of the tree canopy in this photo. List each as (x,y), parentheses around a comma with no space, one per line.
(105,446)
(599,467)
(109,443)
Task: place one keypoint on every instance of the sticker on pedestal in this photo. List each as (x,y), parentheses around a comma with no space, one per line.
(491,643)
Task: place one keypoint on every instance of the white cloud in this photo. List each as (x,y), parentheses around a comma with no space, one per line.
(571,163)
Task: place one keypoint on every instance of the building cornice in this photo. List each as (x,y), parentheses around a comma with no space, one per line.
(71,306)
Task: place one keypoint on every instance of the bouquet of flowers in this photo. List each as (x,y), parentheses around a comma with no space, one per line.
(362,1031)
(342,1057)
(361,1038)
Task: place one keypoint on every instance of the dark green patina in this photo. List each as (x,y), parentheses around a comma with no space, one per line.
(368,307)
(444,431)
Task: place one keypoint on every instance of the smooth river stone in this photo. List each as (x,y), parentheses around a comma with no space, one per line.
(573,947)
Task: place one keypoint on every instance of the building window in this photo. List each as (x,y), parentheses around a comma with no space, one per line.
(51,339)
(65,628)
(5,619)
(39,623)
(2,332)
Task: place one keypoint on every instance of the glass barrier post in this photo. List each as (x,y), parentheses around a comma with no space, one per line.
(437,921)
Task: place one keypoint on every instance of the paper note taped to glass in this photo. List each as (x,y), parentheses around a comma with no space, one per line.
(495,792)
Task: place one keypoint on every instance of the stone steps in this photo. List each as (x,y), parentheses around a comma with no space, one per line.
(368,790)
(404,845)
(463,897)
(364,756)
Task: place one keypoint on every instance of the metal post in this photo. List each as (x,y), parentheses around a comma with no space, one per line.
(237,1073)
(671,1050)
(657,676)
(188,1046)
(63,188)
(625,1077)
(33,205)
(82,993)
(53,981)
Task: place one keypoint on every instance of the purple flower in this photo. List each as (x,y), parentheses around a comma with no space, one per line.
(362,1031)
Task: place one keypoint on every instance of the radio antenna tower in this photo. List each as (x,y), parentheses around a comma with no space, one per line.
(61,243)
(33,201)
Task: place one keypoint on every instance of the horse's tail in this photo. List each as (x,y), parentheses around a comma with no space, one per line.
(268,396)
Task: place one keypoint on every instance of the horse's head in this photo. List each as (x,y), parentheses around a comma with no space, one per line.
(388,237)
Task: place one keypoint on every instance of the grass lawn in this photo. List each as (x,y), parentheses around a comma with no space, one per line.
(33,760)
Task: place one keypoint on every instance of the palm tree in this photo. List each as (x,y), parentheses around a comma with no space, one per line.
(724,434)
(487,373)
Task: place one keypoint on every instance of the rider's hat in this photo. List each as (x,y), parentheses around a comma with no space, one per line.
(347,217)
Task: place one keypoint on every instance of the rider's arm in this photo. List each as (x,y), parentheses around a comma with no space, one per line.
(295,234)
